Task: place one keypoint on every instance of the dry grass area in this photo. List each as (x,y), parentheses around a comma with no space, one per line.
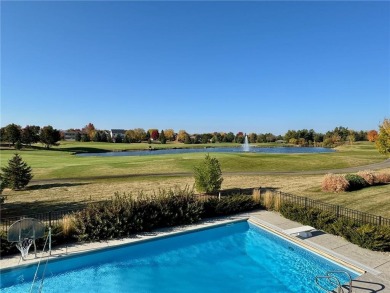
(75,194)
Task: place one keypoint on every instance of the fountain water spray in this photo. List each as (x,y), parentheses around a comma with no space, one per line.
(245,146)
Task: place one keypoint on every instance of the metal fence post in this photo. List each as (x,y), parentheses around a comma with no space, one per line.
(305,202)
(50,219)
(380,220)
(337,211)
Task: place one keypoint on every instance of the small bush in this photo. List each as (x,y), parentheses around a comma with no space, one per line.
(228,205)
(68,226)
(271,201)
(373,237)
(368,176)
(268,200)
(277,203)
(382,178)
(334,183)
(5,246)
(208,175)
(355,182)
(256,194)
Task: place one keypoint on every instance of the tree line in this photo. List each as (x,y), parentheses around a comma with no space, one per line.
(302,137)
(15,135)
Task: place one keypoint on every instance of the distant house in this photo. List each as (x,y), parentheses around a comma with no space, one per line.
(115,132)
(70,135)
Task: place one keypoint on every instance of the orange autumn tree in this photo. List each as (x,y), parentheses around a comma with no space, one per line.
(372,135)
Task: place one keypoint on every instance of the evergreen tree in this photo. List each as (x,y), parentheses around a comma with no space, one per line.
(187,139)
(118,139)
(96,136)
(162,137)
(84,137)
(78,136)
(1,183)
(2,198)
(103,136)
(208,175)
(17,174)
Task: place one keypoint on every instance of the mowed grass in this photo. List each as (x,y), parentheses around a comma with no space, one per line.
(60,163)
(70,194)
(80,186)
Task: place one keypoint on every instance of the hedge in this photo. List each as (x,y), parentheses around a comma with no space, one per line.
(365,235)
(126,214)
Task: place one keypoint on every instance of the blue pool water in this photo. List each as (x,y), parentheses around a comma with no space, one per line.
(275,150)
(238,257)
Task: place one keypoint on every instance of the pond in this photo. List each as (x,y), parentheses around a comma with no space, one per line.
(269,150)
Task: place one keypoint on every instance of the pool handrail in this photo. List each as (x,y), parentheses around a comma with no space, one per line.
(343,272)
(337,283)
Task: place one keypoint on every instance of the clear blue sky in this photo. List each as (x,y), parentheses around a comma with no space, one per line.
(199,66)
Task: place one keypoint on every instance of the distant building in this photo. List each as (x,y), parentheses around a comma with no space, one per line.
(70,135)
(115,132)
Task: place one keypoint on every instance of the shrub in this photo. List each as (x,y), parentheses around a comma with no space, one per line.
(5,246)
(68,227)
(382,178)
(334,183)
(372,237)
(228,205)
(271,201)
(256,194)
(2,184)
(126,214)
(368,176)
(268,200)
(365,235)
(208,175)
(355,182)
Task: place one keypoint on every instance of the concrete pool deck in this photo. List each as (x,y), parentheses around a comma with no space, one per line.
(376,264)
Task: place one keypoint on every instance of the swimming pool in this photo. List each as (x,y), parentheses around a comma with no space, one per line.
(239,257)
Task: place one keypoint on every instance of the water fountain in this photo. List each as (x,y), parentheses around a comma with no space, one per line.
(245,146)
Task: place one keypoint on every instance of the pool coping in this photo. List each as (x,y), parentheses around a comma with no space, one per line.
(327,254)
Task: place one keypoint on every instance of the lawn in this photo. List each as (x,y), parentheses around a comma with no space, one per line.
(61,163)
(62,180)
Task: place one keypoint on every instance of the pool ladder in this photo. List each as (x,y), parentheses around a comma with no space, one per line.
(330,276)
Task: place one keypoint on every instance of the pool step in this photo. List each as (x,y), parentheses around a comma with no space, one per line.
(334,280)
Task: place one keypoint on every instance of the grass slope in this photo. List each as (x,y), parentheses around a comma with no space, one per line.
(61,163)
(71,193)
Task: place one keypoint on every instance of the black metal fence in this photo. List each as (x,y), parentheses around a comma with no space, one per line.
(55,217)
(339,211)
(51,218)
